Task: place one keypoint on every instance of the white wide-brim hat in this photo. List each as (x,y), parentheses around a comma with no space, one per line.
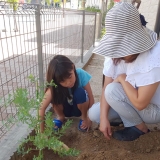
(124,33)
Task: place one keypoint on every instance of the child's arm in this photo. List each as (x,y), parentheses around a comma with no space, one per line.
(90,95)
(86,121)
(46,101)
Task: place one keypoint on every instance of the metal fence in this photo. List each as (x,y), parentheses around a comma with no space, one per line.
(30,37)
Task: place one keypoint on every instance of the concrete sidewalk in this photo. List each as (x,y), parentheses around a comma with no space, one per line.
(95,68)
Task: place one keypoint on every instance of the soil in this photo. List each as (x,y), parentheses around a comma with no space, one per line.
(94,146)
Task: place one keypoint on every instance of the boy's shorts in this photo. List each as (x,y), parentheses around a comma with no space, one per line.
(80,96)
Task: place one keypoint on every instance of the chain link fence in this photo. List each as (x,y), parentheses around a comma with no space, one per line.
(30,36)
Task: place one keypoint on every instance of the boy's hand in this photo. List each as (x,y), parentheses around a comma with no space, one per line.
(86,124)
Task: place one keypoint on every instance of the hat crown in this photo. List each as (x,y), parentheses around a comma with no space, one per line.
(123,17)
(125,34)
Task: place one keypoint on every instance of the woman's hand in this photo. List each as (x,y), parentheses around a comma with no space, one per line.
(120,78)
(105,128)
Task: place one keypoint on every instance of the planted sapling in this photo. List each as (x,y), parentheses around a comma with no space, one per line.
(27,113)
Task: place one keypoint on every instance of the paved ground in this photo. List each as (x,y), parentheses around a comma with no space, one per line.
(95,67)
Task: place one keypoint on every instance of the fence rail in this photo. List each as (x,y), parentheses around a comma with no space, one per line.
(30,37)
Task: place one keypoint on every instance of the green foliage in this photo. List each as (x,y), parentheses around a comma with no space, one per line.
(103,32)
(103,18)
(56,1)
(13,4)
(48,2)
(26,107)
(92,9)
(111,4)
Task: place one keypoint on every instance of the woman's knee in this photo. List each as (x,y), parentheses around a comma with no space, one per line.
(94,113)
(114,92)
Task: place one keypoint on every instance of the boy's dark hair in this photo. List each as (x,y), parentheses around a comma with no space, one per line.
(58,70)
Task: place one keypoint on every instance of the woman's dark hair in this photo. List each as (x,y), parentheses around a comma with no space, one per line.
(59,69)
(116,61)
(128,60)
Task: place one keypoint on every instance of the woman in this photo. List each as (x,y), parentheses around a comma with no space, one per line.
(135,96)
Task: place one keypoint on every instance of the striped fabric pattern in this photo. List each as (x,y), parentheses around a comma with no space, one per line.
(124,33)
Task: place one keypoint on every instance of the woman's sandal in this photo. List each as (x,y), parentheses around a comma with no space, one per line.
(116,124)
(128,134)
(79,126)
(58,124)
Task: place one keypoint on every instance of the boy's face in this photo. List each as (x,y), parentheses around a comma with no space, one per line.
(69,82)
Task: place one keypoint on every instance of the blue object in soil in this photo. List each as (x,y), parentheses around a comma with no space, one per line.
(79,126)
(57,123)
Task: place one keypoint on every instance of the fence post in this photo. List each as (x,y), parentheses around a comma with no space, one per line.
(39,44)
(82,46)
(54,12)
(94,29)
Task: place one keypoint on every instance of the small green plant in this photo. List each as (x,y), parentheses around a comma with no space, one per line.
(92,9)
(103,32)
(13,4)
(26,107)
(111,4)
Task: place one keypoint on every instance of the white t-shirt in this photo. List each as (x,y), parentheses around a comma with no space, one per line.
(145,70)
(111,70)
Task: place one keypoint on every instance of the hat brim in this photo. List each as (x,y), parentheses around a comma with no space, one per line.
(122,45)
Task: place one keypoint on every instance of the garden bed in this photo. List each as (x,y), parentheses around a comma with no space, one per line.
(93,146)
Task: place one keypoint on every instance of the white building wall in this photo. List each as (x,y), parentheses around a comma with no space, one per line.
(74,4)
(149,9)
(94,3)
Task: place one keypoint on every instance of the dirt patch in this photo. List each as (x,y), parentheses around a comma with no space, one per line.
(93,146)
